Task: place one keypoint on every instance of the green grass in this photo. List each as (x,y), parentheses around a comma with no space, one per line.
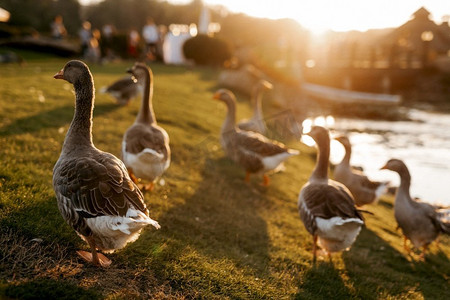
(220,238)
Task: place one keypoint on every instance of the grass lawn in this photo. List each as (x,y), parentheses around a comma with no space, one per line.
(220,238)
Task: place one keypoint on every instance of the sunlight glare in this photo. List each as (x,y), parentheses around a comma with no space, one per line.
(307,140)
(306,125)
(337,151)
(329,120)
(317,121)
(310,63)
(320,121)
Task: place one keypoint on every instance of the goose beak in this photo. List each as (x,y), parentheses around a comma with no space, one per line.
(384,167)
(129,70)
(59,75)
(268,85)
(216,96)
(338,138)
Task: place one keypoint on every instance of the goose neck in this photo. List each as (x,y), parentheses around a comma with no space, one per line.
(257,106)
(348,154)
(230,119)
(405,183)
(146,113)
(80,130)
(323,156)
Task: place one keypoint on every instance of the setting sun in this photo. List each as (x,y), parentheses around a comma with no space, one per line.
(321,15)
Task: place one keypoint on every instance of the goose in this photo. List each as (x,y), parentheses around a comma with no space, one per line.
(145,145)
(256,123)
(253,151)
(123,90)
(364,190)
(420,222)
(94,192)
(326,207)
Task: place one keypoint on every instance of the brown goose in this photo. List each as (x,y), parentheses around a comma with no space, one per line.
(256,123)
(123,89)
(364,190)
(420,222)
(95,195)
(145,146)
(326,207)
(254,152)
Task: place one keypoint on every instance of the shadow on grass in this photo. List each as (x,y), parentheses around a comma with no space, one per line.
(213,237)
(322,281)
(49,289)
(372,254)
(435,274)
(217,222)
(54,118)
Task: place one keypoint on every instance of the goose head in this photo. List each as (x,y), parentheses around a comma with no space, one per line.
(343,140)
(319,134)
(226,96)
(395,165)
(139,72)
(265,85)
(400,167)
(73,72)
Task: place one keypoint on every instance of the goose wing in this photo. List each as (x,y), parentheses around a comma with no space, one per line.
(325,200)
(122,84)
(258,144)
(140,137)
(364,181)
(93,186)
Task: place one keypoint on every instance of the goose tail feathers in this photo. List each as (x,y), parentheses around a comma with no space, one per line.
(444,219)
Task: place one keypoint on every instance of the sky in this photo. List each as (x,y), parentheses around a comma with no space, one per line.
(338,15)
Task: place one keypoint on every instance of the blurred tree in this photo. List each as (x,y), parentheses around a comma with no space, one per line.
(39,14)
(205,50)
(125,14)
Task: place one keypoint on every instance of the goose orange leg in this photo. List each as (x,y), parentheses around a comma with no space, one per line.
(148,187)
(424,250)
(405,245)
(247,177)
(266,180)
(130,172)
(94,257)
(314,248)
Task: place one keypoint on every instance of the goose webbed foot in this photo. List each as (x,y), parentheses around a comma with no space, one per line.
(405,245)
(147,187)
(94,257)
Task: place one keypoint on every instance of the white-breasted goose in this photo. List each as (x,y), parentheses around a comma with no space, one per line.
(364,190)
(254,152)
(123,90)
(420,222)
(326,207)
(256,123)
(145,146)
(94,192)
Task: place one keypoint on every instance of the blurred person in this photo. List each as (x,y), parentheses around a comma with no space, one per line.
(93,52)
(162,31)
(57,28)
(108,32)
(133,43)
(85,35)
(151,38)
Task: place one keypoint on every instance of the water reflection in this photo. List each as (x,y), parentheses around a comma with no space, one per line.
(423,144)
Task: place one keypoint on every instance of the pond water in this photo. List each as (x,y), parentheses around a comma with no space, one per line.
(423,144)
